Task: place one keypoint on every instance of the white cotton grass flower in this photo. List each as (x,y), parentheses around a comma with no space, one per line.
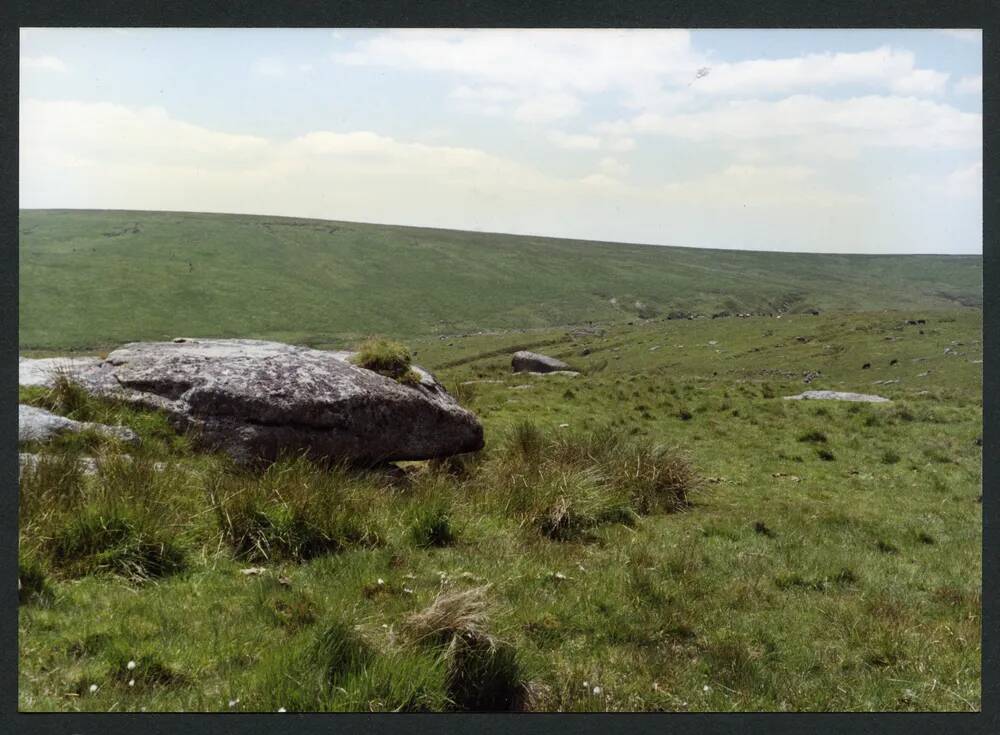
(586,684)
(234,702)
(130,665)
(380,581)
(281,709)
(597,691)
(93,688)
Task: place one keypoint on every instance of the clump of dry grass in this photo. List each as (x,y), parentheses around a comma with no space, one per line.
(453,614)
(483,673)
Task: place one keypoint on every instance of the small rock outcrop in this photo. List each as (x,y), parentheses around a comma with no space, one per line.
(256,400)
(832,395)
(38,425)
(532,362)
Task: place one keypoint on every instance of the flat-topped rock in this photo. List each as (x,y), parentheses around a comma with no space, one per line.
(256,400)
(38,425)
(832,395)
(532,362)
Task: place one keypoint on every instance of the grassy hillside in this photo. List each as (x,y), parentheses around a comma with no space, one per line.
(825,545)
(89,279)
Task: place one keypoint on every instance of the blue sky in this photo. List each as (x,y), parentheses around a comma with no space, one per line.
(834,141)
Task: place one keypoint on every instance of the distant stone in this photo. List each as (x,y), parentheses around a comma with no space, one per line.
(257,400)
(532,362)
(832,395)
(38,425)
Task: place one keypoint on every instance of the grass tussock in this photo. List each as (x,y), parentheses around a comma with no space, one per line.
(434,525)
(482,672)
(581,480)
(121,521)
(388,358)
(294,510)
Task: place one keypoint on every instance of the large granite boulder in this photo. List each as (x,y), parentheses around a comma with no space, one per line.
(256,400)
(532,362)
(38,425)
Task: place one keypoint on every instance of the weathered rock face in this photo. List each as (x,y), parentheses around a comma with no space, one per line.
(256,400)
(37,424)
(832,395)
(532,362)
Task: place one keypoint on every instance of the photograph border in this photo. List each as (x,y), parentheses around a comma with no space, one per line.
(583,13)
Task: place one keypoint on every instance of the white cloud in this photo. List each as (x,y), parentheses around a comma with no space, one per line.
(613,167)
(575,141)
(883,67)
(863,121)
(546,107)
(970,85)
(537,76)
(43,63)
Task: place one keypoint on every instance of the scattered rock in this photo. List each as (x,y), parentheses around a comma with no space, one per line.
(256,400)
(39,425)
(866,366)
(26,461)
(45,371)
(88,465)
(532,362)
(810,376)
(793,478)
(832,395)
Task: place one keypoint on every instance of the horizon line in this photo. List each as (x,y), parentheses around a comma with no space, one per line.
(498,232)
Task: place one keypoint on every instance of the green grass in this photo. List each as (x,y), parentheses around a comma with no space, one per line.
(388,358)
(606,554)
(332,283)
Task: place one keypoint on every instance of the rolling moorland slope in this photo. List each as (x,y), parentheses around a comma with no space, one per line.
(92,279)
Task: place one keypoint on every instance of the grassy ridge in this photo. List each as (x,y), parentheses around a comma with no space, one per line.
(90,279)
(825,545)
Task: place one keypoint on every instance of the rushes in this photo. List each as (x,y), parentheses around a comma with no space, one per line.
(569,483)
(294,510)
(122,521)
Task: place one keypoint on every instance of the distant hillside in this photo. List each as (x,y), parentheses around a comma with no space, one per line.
(93,278)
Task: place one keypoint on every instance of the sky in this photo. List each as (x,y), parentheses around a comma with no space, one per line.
(864,141)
